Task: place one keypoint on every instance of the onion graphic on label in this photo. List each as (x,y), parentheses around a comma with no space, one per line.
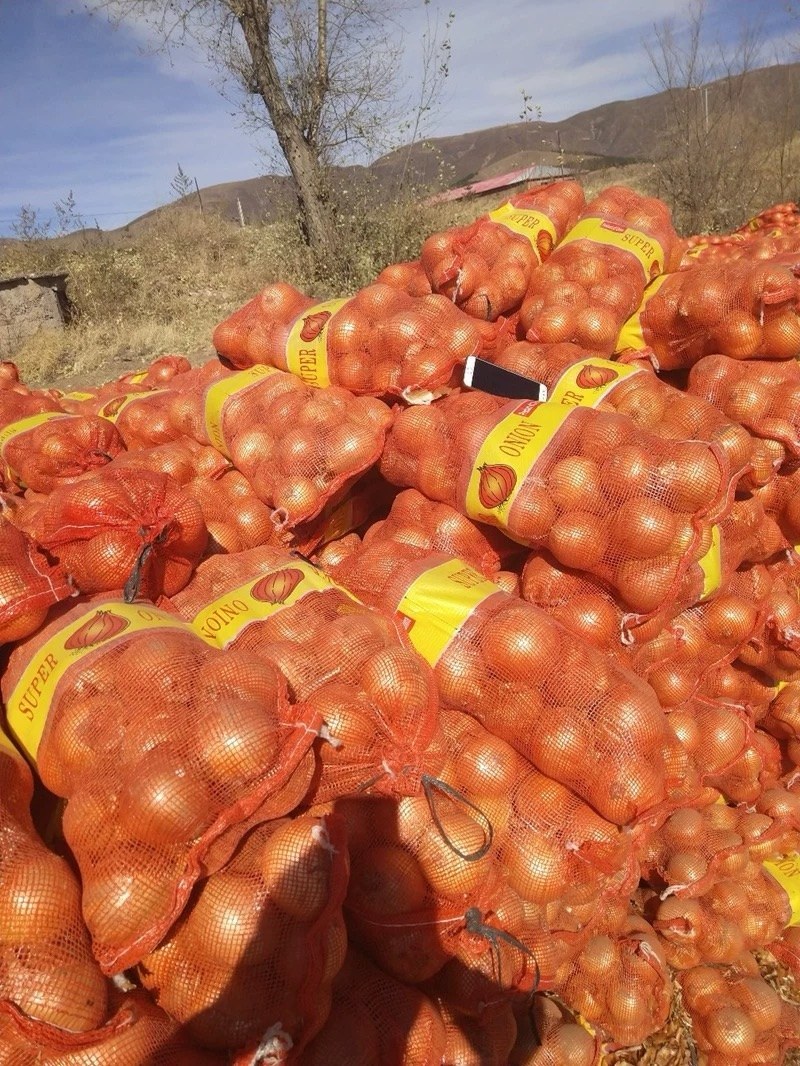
(103,625)
(278,586)
(496,484)
(544,244)
(313,325)
(593,377)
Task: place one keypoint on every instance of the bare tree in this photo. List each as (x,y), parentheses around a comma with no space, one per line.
(322,75)
(715,154)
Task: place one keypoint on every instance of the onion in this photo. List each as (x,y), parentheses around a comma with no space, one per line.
(730,1031)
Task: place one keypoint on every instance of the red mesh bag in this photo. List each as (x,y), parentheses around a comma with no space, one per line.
(486,267)
(595,278)
(473,1042)
(252,959)
(138,1033)
(548,1035)
(523,676)
(573,376)
(599,493)
(756,770)
(376,1021)
(764,397)
(782,216)
(774,245)
(740,309)
(737,1018)
(409,277)
(41,446)
(197,743)
(160,373)
(47,974)
(123,528)
(380,341)
(377,699)
(29,584)
(619,982)
(739,686)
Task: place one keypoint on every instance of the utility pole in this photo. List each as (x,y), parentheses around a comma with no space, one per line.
(241,213)
(199,197)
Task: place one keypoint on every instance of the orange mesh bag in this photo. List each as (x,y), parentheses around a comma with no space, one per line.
(41,446)
(780,500)
(740,686)
(596,277)
(486,267)
(160,372)
(380,341)
(775,648)
(599,493)
(199,741)
(523,676)
(251,961)
(756,770)
(29,584)
(619,982)
(472,1042)
(47,974)
(573,376)
(739,309)
(409,277)
(377,1021)
(764,397)
(783,216)
(774,246)
(737,1018)
(378,700)
(548,1035)
(138,1033)
(123,529)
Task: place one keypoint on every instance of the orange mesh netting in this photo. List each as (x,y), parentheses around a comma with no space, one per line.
(409,277)
(566,707)
(380,341)
(160,372)
(740,309)
(47,973)
(737,1018)
(376,697)
(780,500)
(548,1035)
(252,959)
(486,267)
(123,528)
(163,748)
(595,278)
(29,584)
(487,1041)
(756,770)
(601,494)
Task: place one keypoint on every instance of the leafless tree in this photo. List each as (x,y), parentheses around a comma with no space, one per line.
(322,75)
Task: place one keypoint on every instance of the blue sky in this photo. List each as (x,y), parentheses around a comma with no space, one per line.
(86,109)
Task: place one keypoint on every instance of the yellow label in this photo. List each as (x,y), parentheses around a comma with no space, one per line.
(78,395)
(786,872)
(114,408)
(438,603)
(533,225)
(135,379)
(29,704)
(602,231)
(711,565)
(587,383)
(217,396)
(307,344)
(255,601)
(507,456)
(631,336)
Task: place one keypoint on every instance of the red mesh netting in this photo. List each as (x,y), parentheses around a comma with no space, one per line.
(737,1018)
(377,1021)
(47,973)
(756,770)
(345,661)
(123,528)
(595,278)
(408,277)
(260,942)
(160,373)
(598,492)
(29,584)
(572,711)
(382,341)
(163,747)
(548,1035)
(54,449)
(486,267)
(740,309)
(487,1041)
(741,686)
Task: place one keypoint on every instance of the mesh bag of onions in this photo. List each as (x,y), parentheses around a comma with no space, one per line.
(380,341)
(740,309)
(160,373)
(251,961)
(595,279)
(376,697)
(485,268)
(408,276)
(42,446)
(122,529)
(523,676)
(549,1035)
(601,494)
(29,584)
(162,746)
